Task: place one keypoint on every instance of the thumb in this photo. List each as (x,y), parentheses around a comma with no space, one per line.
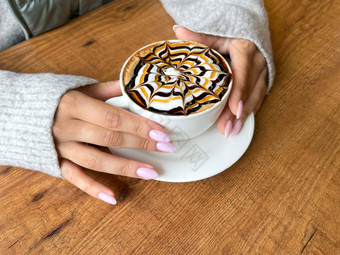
(102,91)
(216,42)
(183,33)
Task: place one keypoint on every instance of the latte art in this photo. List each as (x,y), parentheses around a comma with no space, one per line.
(177,78)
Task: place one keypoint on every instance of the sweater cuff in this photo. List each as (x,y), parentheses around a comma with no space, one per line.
(28,103)
(234,19)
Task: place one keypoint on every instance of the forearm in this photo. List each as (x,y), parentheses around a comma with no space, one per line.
(232,18)
(27,106)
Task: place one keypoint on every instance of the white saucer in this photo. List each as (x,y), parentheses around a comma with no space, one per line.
(198,158)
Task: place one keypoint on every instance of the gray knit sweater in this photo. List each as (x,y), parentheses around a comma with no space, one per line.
(28,101)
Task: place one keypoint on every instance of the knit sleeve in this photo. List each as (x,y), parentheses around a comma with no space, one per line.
(228,18)
(27,107)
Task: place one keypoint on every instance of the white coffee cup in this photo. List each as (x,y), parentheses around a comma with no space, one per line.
(178,127)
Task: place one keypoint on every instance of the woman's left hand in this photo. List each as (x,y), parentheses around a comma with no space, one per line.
(249,77)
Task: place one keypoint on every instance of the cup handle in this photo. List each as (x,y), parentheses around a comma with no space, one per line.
(120,102)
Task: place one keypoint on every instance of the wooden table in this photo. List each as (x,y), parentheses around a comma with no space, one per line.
(281,197)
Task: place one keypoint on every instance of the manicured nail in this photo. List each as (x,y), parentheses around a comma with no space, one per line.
(228,128)
(166,147)
(239,109)
(159,136)
(174,27)
(107,198)
(147,173)
(237,127)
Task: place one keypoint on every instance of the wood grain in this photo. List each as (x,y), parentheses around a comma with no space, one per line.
(281,197)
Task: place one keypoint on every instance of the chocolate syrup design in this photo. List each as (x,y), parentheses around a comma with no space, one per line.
(179,79)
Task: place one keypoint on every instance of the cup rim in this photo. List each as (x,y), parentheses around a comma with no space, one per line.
(225,96)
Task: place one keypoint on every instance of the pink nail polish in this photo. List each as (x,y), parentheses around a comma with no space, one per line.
(239,109)
(174,27)
(147,173)
(228,128)
(107,198)
(237,127)
(159,136)
(166,147)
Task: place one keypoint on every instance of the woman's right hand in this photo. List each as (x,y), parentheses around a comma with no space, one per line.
(82,118)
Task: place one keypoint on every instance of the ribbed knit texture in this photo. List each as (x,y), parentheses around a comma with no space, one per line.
(27,107)
(227,18)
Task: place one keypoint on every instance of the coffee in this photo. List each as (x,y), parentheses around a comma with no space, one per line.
(176,78)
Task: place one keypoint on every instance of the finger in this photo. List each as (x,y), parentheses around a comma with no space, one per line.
(102,91)
(75,175)
(244,77)
(89,133)
(256,98)
(92,158)
(216,42)
(88,109)
(225,121)
(253,102)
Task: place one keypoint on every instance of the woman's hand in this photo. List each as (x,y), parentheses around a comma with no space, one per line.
(82,118)
(249,77)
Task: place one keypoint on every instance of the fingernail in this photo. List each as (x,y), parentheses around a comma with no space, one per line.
(237,127)
(147,173)
(159,136)
(228,128)
(107,198)
(239,109)
(166,147)
(174,27)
